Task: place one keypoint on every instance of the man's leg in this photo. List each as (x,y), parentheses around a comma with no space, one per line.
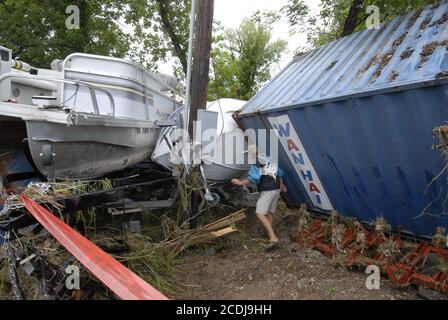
(268,226)
(263,205)
(273,207)
(271,219)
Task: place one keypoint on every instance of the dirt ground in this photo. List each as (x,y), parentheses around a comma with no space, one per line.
(241,269)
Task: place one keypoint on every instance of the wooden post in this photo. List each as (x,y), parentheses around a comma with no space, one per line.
(200,80)
(201,64)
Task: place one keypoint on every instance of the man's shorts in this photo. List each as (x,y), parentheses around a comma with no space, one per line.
(268,202)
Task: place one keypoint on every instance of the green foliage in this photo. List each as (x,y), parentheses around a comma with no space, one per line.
(296,11)
(327,25)
(268,18)
(146,31)
(243,58)
(224,83)
(36,32)
(160,31)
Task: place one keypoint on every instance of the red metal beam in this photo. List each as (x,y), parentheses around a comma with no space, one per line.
(123,282)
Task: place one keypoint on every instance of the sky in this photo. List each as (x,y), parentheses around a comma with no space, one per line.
(232,12)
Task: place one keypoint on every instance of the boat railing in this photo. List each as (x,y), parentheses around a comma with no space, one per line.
(118,60)
(92,88)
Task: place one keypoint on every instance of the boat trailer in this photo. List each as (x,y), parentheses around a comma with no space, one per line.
(150,188)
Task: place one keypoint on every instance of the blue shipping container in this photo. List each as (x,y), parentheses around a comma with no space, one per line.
(355,122)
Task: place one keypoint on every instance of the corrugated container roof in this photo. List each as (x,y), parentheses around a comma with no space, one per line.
(408,50)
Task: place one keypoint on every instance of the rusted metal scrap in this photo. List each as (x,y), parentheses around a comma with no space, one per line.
(420,263)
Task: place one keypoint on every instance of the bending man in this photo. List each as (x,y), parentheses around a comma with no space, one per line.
(269,180)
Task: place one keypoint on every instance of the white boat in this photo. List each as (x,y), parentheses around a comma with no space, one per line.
(216,168)
(86,117)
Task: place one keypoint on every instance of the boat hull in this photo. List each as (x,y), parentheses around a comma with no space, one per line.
(86,152)
(213,171)
(216,172)
(223,158)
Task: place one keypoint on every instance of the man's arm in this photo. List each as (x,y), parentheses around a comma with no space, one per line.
(283,186)
(280,179)
(239,182)
(254,176)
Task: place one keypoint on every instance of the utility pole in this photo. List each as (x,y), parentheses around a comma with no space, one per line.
(199,81)
(201,64)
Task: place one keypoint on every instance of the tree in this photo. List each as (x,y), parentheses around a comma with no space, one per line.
(351,21)
(36,31)
(161,29)
(146,31)
(339,18)
(297,12)
(243,58)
